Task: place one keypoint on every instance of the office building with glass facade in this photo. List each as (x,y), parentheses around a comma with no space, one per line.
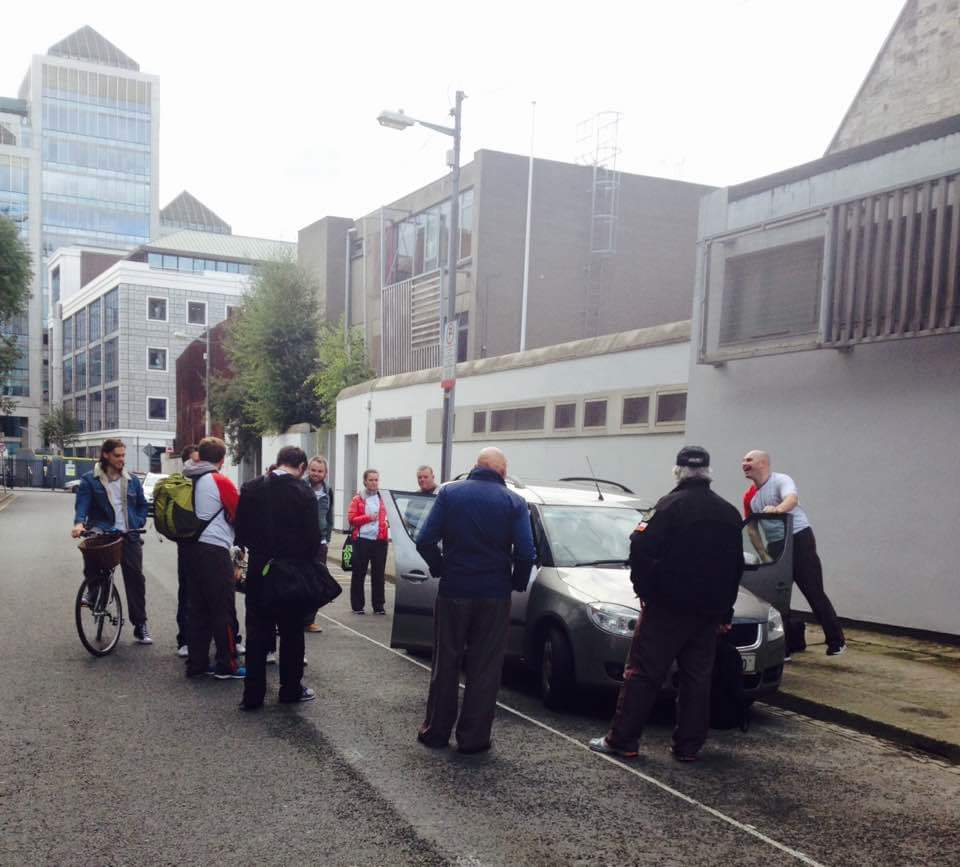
(117,335)
(79,156)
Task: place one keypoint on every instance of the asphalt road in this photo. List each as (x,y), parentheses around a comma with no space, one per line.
(122,760)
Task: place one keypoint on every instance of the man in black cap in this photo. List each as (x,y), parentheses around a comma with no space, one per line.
(686,562)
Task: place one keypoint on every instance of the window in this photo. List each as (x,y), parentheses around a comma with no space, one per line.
(169,263)
(565,416)
(156,359)
(232,310)
(67,336)
(672,408)
(594,413)
(54,284)
(463,332)
(95,411)
(67,375)
(80,413)
(466,224)
(80,329)
(157,309)
(517,419)
(111,408)
(393,429)
(154,260)
(111,311)
(479,422)
(80,371)
(196,312)
(95,370)
(95,321)
(156,409)
(636,410)
(110,350)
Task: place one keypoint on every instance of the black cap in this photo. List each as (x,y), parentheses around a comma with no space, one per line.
(693,456)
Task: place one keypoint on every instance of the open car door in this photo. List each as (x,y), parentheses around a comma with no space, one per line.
(416,588)
(768,559)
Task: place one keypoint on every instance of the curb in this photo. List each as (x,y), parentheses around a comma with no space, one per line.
(900,736)
(6,499)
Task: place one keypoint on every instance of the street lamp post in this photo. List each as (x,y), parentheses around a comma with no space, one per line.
(448,300)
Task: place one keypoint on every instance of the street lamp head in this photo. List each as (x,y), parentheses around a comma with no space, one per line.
(395,119)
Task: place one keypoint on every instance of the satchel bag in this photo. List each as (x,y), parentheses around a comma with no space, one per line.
(346,556)
(297,585)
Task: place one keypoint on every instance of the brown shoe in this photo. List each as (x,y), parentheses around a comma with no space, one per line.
(312,627)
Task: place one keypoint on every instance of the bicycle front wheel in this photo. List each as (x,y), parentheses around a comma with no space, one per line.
(99,617)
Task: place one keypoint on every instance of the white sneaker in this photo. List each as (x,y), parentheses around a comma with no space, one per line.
(183,651)
(141,635)
(272,658)
(241,648)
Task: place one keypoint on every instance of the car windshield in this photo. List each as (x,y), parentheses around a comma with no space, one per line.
(152,479)
(589,535)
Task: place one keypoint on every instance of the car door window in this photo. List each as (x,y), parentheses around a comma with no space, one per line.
(763,539)
(413,508)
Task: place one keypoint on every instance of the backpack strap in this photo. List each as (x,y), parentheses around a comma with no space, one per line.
(193,502)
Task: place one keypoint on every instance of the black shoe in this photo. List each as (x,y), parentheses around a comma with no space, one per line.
(379,611)
(432,741)
(359,611)
(472,751)
(836,649)
(245,706)
(682,757)
(306,694)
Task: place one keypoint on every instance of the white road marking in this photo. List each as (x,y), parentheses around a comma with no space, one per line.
(653,781)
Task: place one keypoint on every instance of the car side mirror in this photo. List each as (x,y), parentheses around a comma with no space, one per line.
(764,538)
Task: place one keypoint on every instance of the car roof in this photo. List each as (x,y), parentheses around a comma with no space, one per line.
(550,495)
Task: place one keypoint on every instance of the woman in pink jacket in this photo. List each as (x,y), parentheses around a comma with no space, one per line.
(368,520)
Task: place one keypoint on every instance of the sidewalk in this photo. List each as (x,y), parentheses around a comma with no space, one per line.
(903,689)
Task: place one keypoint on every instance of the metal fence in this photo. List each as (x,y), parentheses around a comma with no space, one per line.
(43,472)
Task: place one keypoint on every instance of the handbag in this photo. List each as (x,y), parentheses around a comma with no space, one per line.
(298,585)
(346,556)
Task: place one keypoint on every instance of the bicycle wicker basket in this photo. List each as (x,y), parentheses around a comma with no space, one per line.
(102,553)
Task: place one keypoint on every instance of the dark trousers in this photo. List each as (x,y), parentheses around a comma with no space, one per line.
(321,558)
(183,604)
(373,553)
(134,583)
(660,637)
(261,637)
(478,627)
(808,576)
(212,607)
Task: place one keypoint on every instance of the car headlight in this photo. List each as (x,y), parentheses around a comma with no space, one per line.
(615,619)
(774,625)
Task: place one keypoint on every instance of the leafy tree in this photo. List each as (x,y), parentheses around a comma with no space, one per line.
(15,277)
(272,348)
(342,360)
(60,428)
(228,405)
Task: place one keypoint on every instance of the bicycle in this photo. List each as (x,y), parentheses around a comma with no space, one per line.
(98,609)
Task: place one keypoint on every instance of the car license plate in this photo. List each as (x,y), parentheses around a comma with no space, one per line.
(749,662)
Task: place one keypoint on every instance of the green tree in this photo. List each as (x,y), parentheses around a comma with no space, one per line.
(228,405)
(60,428)
(342,361)
(15,277)
(272,348)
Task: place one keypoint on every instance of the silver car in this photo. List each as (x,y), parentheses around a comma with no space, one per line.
(573,625)
(148,485)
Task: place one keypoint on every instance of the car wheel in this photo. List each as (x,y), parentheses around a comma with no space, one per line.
(556,669)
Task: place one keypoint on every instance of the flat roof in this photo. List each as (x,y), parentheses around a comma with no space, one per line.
(193,243)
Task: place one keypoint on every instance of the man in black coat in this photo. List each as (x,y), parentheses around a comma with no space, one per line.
(686,563)
(276,517)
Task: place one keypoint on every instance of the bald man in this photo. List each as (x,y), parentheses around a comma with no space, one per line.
(777,493)
(487,553)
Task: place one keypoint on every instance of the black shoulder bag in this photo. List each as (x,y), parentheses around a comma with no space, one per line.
(292,585)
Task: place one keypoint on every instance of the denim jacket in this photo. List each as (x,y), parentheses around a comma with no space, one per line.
(93,506)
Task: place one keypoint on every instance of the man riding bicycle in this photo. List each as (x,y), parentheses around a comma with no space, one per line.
(110,500)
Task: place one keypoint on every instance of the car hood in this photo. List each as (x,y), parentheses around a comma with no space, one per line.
(613,585)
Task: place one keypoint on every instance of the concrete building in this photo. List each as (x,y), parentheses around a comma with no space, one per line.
(617,401)
(79,157)
(117,335)
(642,277)
(826,330)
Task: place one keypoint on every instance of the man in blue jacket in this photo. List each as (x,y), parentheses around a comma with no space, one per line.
(487,553)
(111,500)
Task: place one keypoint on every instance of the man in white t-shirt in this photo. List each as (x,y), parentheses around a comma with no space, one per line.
(777,493)
(209,565)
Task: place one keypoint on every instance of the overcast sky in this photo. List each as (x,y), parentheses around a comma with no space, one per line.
(268,109)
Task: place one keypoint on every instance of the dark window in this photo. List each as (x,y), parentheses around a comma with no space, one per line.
(95,320)
(80,371)
(157,408)
(671,408)
(156,359)
(196,313)
(595,413)
(80,413)
(111,311)
(463,332)
(564,416)
(393,429)
(96,366)
(80,329)
(479,422)
(517,419)
(157,309)
(111,408)
(636,410)
(110,349)
(67,336)
(67,375)
(95,411)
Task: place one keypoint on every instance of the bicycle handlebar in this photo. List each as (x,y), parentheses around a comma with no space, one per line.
(86,534)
